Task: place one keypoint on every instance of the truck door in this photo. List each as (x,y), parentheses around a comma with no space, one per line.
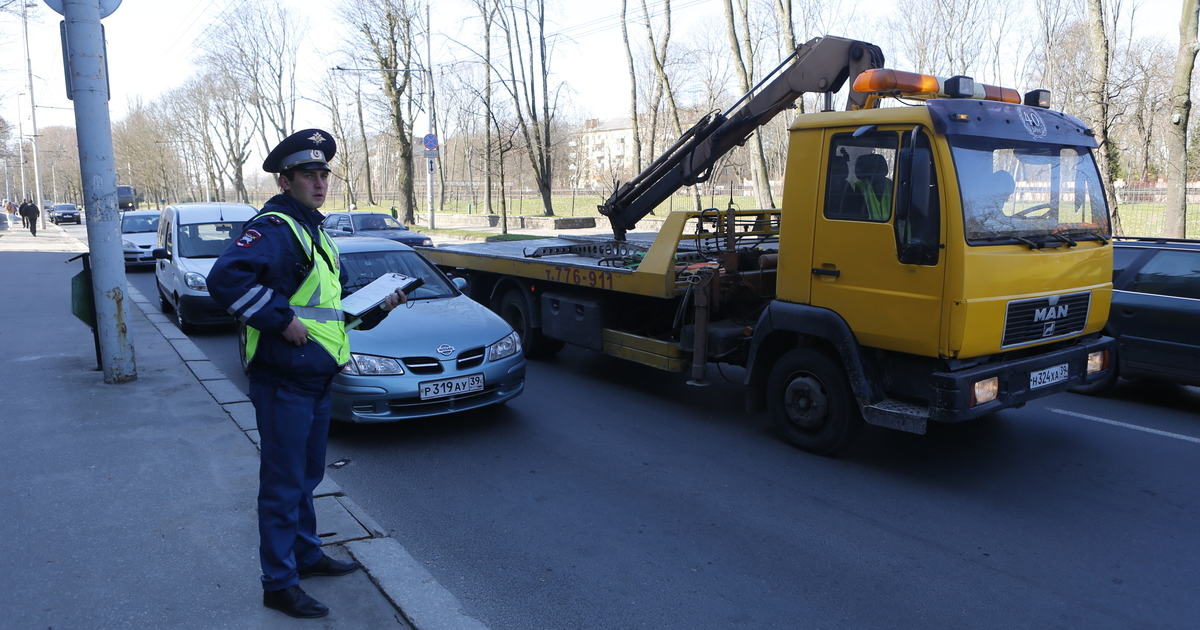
(856,269)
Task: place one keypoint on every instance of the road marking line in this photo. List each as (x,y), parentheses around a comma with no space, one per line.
(1186,438)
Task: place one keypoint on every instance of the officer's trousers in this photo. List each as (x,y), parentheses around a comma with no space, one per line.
(293,431)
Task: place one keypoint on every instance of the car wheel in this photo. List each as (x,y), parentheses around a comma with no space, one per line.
(164,304)
(185,326)
(812,403)
(242,341)
(514,309)
(1095,387)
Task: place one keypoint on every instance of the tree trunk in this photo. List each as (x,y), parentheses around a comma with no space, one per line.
(633,100)
(1181,108)
(1098,105)
(743,66)
(362,131)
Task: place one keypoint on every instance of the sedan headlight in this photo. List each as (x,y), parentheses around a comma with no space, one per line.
(506,347)
(195,281)
(427,243)
(370,365)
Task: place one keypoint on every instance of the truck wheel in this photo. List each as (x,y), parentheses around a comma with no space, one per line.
(812,403)
(515,310)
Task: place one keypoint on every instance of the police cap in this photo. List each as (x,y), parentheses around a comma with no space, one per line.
(309,149)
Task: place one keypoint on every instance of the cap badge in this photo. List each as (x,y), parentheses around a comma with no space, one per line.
(317,138)
(316,155)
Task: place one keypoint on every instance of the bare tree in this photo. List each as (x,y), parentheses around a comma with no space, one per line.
(257,44)
(741,45)
(1099,104)
(386,29)
(1181,109)
(633,89)
(527,82)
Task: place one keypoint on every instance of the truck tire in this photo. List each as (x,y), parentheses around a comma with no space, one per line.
(812,403)
(514,309)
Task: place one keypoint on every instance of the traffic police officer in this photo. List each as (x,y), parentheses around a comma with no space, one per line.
(282,279)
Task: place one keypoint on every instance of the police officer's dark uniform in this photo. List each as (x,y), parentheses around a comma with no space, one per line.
(257,279)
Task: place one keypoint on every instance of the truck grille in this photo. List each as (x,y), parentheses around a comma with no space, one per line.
(1045,318)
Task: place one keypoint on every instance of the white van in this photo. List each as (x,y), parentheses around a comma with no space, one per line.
(190,238)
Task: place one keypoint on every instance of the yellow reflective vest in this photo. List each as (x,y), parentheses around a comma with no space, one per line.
(318,301)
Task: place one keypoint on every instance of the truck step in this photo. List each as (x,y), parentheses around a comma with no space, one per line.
(894,414)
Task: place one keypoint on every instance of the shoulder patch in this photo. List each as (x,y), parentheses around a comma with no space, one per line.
(275,219)
(248,238)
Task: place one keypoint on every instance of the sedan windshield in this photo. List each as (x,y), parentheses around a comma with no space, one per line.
(368,222)
(206,240)
(134,225)
(363,267)
(1016,191)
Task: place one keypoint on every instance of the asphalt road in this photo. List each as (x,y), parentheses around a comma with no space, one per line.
(614,496)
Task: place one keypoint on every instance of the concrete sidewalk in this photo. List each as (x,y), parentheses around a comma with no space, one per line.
(133,505)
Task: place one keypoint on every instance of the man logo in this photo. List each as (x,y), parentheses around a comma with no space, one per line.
(1050,313)
(1048,329)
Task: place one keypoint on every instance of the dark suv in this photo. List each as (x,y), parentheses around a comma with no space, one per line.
(1155,314)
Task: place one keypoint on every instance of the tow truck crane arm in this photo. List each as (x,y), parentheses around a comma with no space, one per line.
(823,64)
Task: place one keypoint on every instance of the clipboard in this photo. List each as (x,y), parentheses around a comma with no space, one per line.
(371,296)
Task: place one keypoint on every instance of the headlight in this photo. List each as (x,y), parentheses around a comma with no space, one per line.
(370,365)
(427,242)
(195,281)
(506,347)
(985,391)
(128,245)
(1097,361)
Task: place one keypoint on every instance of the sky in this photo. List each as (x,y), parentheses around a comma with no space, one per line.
(152,44)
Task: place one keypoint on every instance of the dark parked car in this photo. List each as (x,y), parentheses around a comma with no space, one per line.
(1155,314)
(65,213)
(373,224)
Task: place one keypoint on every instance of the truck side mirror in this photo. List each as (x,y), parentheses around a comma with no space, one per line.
(918,222)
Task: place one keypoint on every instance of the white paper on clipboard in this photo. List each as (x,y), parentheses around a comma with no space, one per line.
(375,293)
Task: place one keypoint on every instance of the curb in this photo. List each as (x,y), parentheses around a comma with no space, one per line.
(419,598)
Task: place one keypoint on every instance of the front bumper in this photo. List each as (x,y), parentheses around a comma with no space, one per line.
(138,257)
(951,399)
(375,399)
(203,310)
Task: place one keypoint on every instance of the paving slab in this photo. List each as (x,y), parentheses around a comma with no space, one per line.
(335,524)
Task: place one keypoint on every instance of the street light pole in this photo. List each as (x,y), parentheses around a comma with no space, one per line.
(37,171)
(429,113)
(21,146)
(88,87)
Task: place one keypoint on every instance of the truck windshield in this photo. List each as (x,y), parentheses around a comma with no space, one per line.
(1028,192)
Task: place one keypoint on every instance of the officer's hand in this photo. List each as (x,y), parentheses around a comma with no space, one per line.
(296,332)
(394,299)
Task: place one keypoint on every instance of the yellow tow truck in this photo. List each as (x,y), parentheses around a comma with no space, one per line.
(937,262)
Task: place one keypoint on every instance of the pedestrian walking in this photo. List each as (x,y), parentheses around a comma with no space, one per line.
(31,216)
(282,279)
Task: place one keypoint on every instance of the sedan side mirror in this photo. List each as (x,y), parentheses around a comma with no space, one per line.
(347,229)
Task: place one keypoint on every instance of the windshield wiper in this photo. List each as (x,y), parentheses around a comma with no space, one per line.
(1063,238)
(1098,235)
